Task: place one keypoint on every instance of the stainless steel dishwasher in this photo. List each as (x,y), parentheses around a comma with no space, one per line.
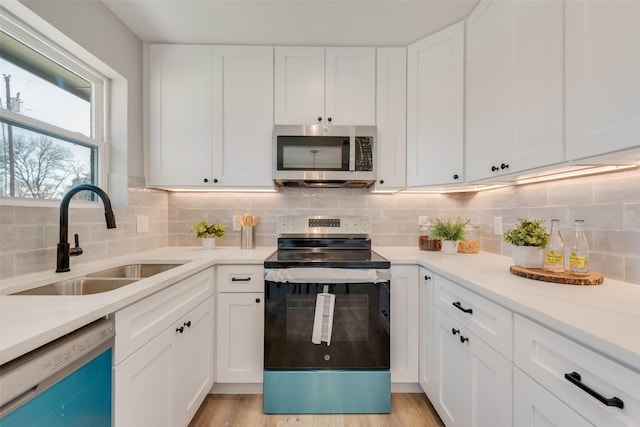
(64,383)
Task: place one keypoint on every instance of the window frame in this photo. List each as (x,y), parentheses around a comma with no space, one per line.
(26,34)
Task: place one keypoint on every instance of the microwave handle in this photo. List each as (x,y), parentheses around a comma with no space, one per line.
(352,153)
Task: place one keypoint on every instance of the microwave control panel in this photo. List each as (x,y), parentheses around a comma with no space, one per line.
(364,153)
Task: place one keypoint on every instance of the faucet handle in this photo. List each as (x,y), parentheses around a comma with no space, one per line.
(77,250)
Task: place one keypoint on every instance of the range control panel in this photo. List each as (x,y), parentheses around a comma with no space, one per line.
(295,224)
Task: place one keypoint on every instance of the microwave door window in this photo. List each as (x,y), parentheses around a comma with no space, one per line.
(313,153)
(312,158)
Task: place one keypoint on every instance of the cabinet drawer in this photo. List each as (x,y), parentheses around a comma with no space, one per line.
(548,356)
(489,321)
(240,278)
(138,323)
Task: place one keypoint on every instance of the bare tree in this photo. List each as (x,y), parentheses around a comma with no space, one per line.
(41,166)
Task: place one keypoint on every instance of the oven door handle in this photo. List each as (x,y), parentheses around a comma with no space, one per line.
(326,275)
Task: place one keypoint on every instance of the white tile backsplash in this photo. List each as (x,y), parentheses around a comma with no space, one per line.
(609,204)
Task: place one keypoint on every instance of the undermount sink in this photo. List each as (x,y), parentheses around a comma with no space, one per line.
(79,286)
(101,281)
(137,271)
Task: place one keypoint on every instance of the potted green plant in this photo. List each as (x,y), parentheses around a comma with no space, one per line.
(528,239)
(208,232)
(450,232)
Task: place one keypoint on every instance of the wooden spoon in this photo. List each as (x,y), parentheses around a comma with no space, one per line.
(247,219)
(255,220)
(240,220)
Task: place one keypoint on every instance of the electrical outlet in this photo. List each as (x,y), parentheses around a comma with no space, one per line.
(497,225)
(142,224)
(236,226)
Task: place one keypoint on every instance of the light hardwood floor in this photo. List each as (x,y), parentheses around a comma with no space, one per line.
(245,410)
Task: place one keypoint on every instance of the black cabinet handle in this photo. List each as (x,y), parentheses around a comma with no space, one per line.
(459,307)
(494,168)
(504,166)
(455,176)
(463,339)
(257,300)
(575,379)
(215,180)
(187,323)
(241,279)
(180,329)
(427,277)
(381,181)
(329,119)
(205,180)
(455,331)
(319,118)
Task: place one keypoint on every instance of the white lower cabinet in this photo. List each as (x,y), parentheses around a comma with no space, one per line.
(240,332)
(165,381)
(240,324)
(602,391)
(473,382)
(426,331)
(163,355)
(404,324)
(533,406)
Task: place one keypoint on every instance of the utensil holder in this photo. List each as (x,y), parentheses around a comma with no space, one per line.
(247,240)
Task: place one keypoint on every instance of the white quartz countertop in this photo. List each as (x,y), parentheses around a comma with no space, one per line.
(29,321)
(605,318)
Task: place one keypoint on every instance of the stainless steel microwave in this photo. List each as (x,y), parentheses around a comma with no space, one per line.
(324,156)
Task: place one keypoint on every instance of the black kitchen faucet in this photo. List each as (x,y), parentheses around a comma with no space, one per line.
(64,250)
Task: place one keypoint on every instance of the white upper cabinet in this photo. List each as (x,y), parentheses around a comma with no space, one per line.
(391,118)
(180,114)
(243,115)
(514,87)
(315,85)
(209,106)
(602,77)
(435,108)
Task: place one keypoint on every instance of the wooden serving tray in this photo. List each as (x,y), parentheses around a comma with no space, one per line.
(565,278)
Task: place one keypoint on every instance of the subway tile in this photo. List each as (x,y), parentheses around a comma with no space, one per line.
(631,216)
(598,216)
(7,216)
(566,193)
(632,270)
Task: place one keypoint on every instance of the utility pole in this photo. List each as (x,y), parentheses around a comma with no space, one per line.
(12,163)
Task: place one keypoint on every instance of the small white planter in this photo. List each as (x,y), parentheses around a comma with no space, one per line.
(208,242)
(450,247)
(527,256)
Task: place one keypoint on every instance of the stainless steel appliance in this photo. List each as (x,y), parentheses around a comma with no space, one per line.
(324,156)
(65,383)
(326,338)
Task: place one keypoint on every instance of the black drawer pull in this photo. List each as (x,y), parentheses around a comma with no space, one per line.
(241,279)
(459,307)
(455,331)
(427,277)
(575,379)
(463,339)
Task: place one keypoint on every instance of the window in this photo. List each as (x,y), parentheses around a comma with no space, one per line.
(51,118)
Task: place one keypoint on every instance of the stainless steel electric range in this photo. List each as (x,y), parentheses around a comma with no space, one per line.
(326,338)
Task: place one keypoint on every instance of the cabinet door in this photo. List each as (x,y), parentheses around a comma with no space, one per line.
(435,108)
(180,115)
(533,406)
(486,370)
(194,361)
(240,334)
(243,115)
(404,324)
(427,330)
(602,84)
(391,109)
(514,96)
(299,85)
(350,86)
(143,384)
(451,393)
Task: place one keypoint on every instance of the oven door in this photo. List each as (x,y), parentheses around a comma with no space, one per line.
(325,326)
